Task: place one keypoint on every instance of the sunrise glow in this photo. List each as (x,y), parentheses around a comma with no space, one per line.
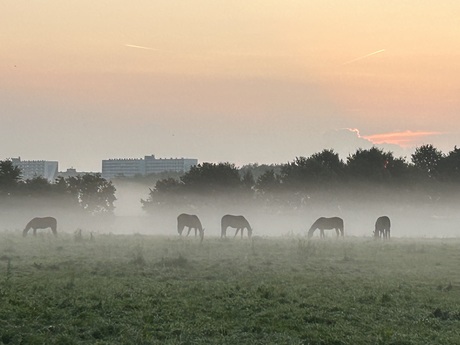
(272,76)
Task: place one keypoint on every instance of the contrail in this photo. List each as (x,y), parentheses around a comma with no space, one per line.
(363,57)
(140,47)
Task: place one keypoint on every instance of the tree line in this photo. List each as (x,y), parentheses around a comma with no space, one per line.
(373,171)
(89,192)
(429,174)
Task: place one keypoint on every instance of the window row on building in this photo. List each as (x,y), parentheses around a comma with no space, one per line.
(144,166)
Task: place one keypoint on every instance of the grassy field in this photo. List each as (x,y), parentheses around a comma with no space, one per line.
(137,289)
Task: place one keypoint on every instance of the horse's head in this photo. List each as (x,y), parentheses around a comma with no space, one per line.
(249,232)
(202,235)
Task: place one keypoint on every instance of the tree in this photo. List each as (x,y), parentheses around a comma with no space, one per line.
(201,182)
(318,170)
(449,166)
(95,194)
(210,178)
(426,159)
(269,182)
(166,192)
(37,186)
(247,180)
(372,165)
(10,176)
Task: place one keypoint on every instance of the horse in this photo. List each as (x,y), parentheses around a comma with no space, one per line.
(382,227)
(192,222)
(41,223)
(238,222)
(324,223)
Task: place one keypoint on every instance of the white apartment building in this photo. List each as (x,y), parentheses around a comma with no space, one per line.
(144,166)
(40,168)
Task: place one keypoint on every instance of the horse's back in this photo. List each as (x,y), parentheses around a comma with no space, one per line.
(328,223)
(336,221)
(189,220)
(43,222)
(383,223)
(234,221)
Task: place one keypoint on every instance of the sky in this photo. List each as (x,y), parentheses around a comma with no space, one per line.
(238,81)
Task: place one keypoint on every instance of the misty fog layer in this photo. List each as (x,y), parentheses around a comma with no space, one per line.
(421,198)
(410,217)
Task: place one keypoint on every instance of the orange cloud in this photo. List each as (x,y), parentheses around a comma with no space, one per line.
(403,139)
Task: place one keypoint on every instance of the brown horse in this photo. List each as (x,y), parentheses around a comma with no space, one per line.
(238,222)
(192,222)
(327,224)
(382,227)
(41,223)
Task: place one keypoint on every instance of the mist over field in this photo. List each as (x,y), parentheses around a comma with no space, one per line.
(413,215)
(410,218)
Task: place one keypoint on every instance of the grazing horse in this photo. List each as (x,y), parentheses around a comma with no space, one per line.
(327,224)
(192,222)
(382,227)
(238,222)
(41,223)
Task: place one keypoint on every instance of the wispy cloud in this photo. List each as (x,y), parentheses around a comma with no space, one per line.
(141,47)
(364,57)
(403,139)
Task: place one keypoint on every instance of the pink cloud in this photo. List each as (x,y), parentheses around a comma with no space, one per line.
(403,139)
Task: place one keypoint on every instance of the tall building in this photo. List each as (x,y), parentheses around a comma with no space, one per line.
(144,166)
(31,169)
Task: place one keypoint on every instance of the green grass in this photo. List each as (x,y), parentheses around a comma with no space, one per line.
(140,289)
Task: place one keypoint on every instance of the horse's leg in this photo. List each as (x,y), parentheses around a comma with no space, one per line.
(242,232)
(188,232)
(195,231)
(337,232)
(35,232)
(236,232)
(223,232)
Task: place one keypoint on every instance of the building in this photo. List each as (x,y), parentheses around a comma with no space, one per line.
(32,169)
(72,172)
(144,166)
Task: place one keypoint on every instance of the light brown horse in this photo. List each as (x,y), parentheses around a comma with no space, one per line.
(324,223)
(238,222)
(192,222)
(41,223)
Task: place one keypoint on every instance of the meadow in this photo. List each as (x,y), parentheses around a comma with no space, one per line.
(146,289)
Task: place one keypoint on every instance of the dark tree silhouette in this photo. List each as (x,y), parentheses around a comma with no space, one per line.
(316,171)
(211,178)
(269,182)
(426,159)
(372,165)
(203,180)
(10,177)
(247,180)
(449,166)
(95,194)
(165,192)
